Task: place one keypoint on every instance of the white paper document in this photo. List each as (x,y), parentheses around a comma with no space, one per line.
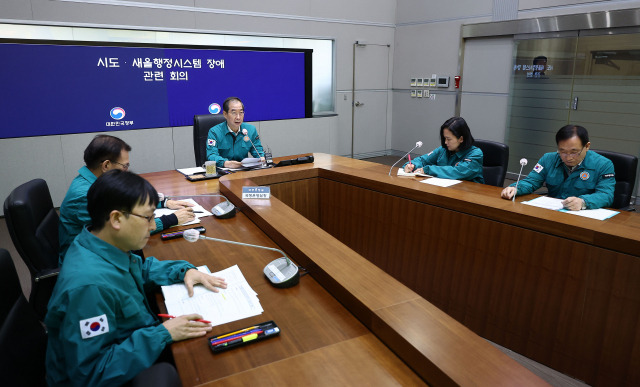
(200,214)
(556,205)
(441,182)
(236,302)
(191,171)
(401,172)
(546,202)
(599,214)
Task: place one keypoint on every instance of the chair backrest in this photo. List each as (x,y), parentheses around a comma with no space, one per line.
(626,167)
(201,125)
(33,225)
(23,339)
(495,161)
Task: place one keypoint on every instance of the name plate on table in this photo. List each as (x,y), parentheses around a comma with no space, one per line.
(256,192)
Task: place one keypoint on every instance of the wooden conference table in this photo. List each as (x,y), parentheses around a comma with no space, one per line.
(388,255)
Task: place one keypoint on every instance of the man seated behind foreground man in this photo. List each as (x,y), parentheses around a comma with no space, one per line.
(101,329)
(583,178)
(103,154)
(227,145)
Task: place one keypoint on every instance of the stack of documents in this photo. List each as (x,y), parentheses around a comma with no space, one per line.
(198,209)
(236,302)
(251,162)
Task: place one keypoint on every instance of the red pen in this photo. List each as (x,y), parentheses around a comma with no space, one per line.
(409,158)
(170,316)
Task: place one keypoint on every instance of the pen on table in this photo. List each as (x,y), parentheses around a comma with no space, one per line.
(262,327)
(235,337)
(170,316)
(242,339)
(236,332)
(198,212)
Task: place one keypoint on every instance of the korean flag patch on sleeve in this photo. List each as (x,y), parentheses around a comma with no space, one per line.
(94,326)
(211,142)
(538,168)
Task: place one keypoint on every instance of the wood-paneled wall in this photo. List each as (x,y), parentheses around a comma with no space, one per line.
(567,304)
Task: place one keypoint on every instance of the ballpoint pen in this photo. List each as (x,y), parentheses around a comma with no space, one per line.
(235,337)
(242,339)
(170,316)
(236,332)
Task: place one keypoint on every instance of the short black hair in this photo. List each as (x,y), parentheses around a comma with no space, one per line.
(569,131)
(458,126)
(104,147)
(540,58)
(117,190)
(225,104)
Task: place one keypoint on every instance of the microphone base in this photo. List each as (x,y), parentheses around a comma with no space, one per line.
(224,210)
(282,273)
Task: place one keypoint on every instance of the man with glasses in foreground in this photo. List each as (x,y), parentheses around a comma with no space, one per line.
(103,154)
(101,330)
(227,142)
(583,178)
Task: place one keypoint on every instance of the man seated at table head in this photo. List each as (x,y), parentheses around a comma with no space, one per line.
(583,178)
(231,141)
(103,154)
(101,328)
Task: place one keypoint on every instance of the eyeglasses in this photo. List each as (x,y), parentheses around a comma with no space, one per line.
(236,113)
(124,166)
(571,154)
(148,218)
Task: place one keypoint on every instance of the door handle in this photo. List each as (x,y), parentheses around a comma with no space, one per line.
(358,103)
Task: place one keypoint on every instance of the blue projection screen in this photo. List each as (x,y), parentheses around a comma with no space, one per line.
(62,89)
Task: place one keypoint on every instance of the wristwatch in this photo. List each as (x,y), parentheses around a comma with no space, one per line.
(584,205)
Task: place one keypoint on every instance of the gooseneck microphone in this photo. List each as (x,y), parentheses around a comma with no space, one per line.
(246,133)
(523,162)
(282,273)
(418,145)
(222,210)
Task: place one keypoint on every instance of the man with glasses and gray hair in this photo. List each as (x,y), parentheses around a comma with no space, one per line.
(231,141)
(103,154)
(583,178)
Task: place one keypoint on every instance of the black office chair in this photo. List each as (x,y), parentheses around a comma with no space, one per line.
(23,339)
(201,125)
(625,167)
(33,225)
(495,161)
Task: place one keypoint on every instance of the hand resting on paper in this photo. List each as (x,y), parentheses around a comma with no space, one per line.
(211,282)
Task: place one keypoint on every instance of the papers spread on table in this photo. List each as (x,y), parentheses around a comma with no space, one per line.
(200,212)
(402,173)
(441,182)
(556,205)
(248,163)
(191,171)
(236,302)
